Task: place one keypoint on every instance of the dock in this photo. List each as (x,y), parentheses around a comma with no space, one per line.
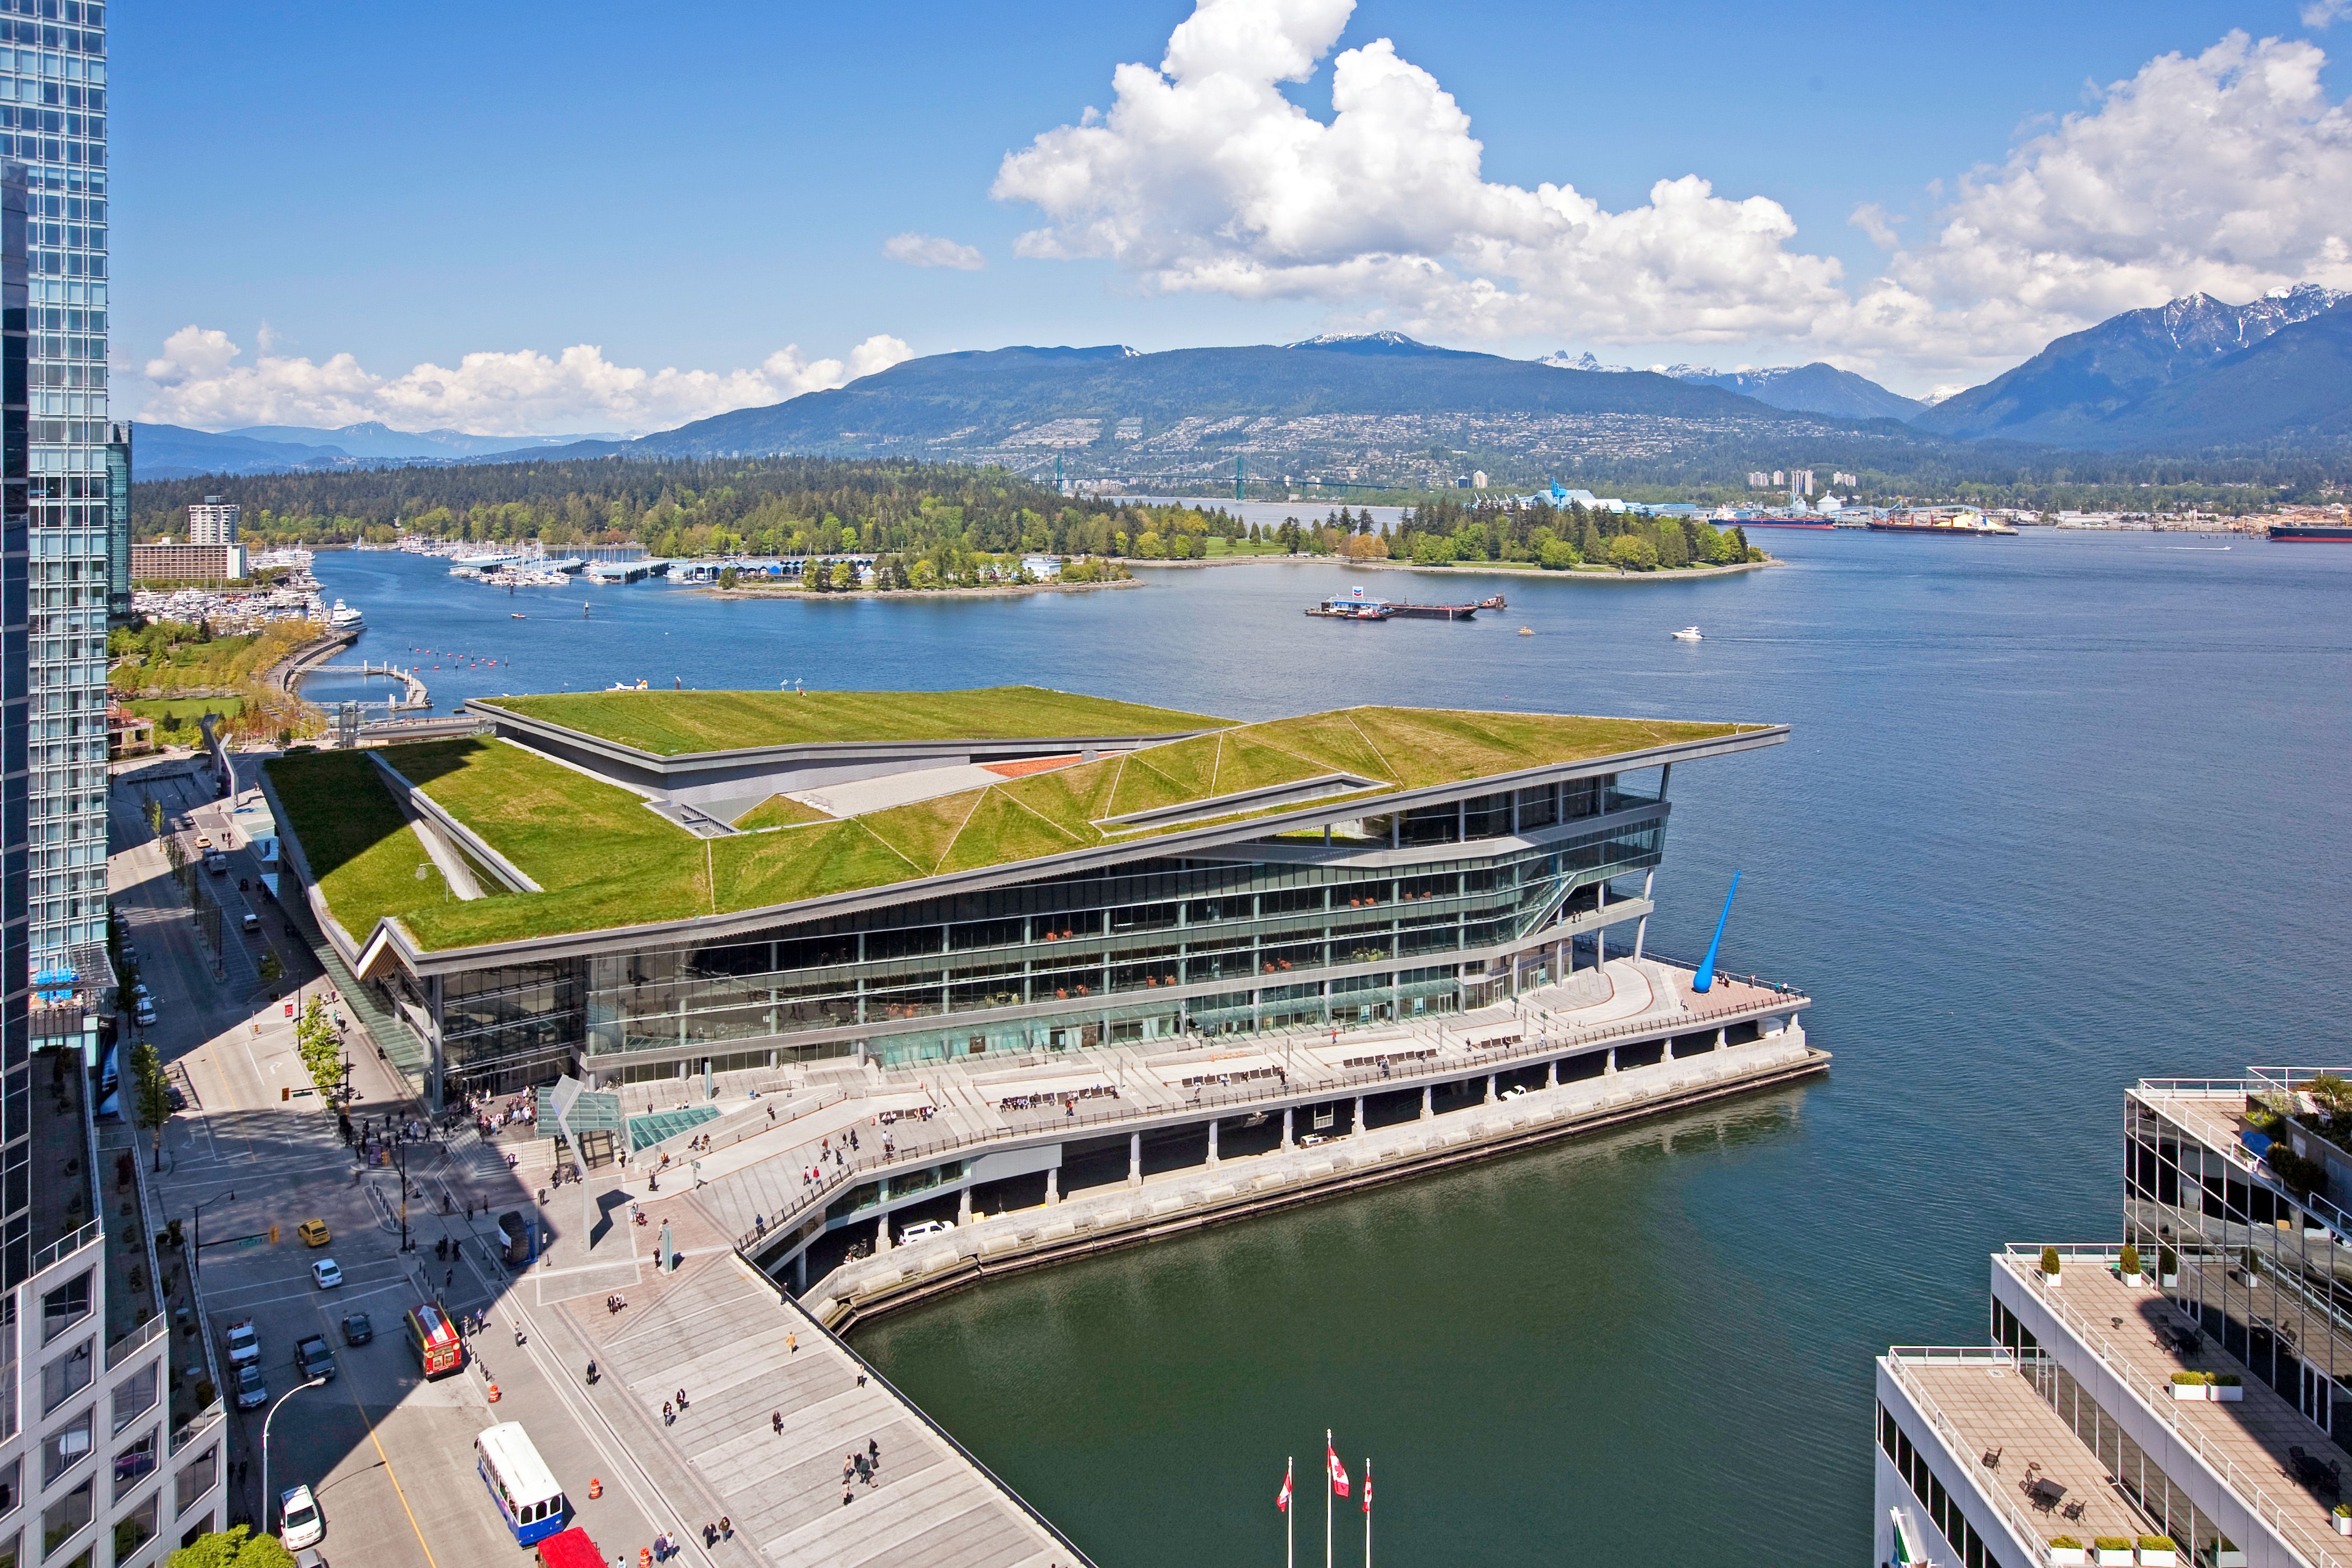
(417,696)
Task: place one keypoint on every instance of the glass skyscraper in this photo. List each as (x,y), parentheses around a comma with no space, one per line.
(53,122)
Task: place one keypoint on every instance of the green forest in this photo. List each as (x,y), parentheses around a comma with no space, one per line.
(933,525)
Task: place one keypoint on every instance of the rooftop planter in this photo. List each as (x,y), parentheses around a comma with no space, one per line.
(2065,1552)
(2112,1552)
(2050,1266)
(2221,1553)
(2127,1266)
(2158,1552)
(2217,1387)
(2340,1516)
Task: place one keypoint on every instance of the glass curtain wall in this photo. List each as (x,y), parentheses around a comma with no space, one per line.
(2268,1280)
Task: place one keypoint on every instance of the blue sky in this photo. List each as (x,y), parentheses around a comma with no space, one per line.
(415,183)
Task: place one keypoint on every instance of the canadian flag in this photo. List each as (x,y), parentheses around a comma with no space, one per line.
(1339,1471)
(1282,1498)
(1368,1487)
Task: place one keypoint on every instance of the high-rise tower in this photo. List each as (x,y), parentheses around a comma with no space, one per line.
(53,121)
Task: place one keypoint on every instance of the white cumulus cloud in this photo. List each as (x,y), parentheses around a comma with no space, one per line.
(2227,171)
(201,379)
(931,250)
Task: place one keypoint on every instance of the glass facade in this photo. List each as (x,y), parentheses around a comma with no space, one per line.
(2268,1280)
(53,122)
(15,681)
(1141,951)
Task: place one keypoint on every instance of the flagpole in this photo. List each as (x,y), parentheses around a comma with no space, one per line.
(1368,1512)
(1326,1498)
(1289,1518)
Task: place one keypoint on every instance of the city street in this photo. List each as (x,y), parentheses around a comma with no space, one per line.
(388,1454)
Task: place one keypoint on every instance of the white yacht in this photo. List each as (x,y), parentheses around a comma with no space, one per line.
(1688,634)
(345,618)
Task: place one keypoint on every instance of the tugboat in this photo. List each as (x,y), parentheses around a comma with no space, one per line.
(1354,606)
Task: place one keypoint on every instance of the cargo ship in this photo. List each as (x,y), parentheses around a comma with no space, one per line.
(1819,523)
(1950,525)
(1355,605)
(2311,533)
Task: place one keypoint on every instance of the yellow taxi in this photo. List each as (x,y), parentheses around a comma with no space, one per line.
(313,1233)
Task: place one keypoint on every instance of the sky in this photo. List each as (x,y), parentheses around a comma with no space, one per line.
(527,218)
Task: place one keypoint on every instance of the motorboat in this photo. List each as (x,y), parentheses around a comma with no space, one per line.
(344,617)
(1688,634)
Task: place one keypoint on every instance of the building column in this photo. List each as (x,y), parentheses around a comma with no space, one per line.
(1599,947)
(1551,1073)
(1426,1110)
(1134,1151)
(1053,1184)
(800,1271)
(1722,1040)
(963,1206)
(1360,1114)
(1490,1089)
(882,1236)
(1213,1140)
(1286,1127)
(1611,1066)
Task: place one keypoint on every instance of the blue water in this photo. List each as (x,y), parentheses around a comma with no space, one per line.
(2057,812)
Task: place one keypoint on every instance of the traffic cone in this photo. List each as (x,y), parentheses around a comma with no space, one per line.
(595,1489)
(494,1394)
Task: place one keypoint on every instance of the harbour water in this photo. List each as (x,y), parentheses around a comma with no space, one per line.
(2058,811)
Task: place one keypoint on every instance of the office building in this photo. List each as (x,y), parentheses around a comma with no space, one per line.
(212,522)
(190,562)
(2168,1398)
(747,878)
(108,1453)
(53,121)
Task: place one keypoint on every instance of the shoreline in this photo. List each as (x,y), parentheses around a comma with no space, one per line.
(848,595)
(1512,569)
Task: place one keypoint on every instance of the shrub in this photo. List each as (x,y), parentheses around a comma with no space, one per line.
(2157,1543)
(2167,1261)
(2113,1543)
(2049,1260)
(2068,1542)
(2130,1260)
(2223,1379)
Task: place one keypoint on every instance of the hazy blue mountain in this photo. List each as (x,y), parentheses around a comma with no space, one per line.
(374,439)
(1815,388)
(172,452)
(2080,390)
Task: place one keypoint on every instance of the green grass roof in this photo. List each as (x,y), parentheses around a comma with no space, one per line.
(358,843)
(671,724)
(605,860)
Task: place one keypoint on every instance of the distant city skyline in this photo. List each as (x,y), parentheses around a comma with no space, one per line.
(379,234)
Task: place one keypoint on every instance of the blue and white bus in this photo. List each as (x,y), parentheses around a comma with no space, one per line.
(521,1483)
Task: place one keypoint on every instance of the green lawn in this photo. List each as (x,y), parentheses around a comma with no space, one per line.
(670,723)
(188,710)
(358,846)
(605,860)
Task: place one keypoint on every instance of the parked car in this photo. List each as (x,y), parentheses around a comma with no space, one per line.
(921,1228)
(357,1330)
(299,1523)
(313,1233)
(144,1014)
(244,1346)
(325,1275)
(251,925)
(252,1392)
(216,863)
(315,1359)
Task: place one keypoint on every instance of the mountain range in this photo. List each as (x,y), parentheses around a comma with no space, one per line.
(174,451)
(2196,375)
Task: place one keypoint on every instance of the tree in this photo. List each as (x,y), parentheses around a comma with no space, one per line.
(1634,553)
(319,1046)
(1557,555)
(151,1101)
(232,1549)
(728,576)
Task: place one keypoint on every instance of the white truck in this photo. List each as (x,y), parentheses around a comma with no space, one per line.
(242,1343)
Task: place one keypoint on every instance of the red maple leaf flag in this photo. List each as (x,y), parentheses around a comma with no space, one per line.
(1282,1498)
(1339,1471)
(1367,1489)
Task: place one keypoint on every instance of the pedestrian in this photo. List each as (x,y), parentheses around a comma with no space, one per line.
(863,1473)
(846,1494)
(669,1416)
(792,1344)
(874,1452)
(861,1379)
(710,1536)
(848,1467)
(725,1528)
(448,1278)
(681,1399)
(777,1421)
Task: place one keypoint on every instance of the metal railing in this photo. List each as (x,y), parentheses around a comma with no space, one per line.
(197,1425)
(748,1122)
(64,1246)
(876,1162)
(2161,1404)
(2029,1534)
(2237,1153)
(132,1343)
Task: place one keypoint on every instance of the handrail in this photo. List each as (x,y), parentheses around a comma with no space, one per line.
(64,1246)
(196,1426)
(876,1162)
(2161,1404)
(130,1343)
(2029,1534)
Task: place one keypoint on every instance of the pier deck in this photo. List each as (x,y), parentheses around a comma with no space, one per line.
(743,1356)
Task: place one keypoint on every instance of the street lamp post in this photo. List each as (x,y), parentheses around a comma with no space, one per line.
(267,1503)
(196,1253)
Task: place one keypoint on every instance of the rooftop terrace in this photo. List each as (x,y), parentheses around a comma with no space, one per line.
(605,860)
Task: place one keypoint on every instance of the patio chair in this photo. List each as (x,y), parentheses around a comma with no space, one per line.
(1992,1459)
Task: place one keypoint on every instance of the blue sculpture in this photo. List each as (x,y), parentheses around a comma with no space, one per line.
(1706,981)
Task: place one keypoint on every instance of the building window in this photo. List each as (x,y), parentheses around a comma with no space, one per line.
(9,1551)
(195,1479)
(135,1395)
(65,1376)
(64,1306)
(12,1477)
(64,1448)
(64,1518)
(135,1529)
(134,1463)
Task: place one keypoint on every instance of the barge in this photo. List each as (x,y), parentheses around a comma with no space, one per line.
(2310,533)
(1355,605)
(1948,524)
